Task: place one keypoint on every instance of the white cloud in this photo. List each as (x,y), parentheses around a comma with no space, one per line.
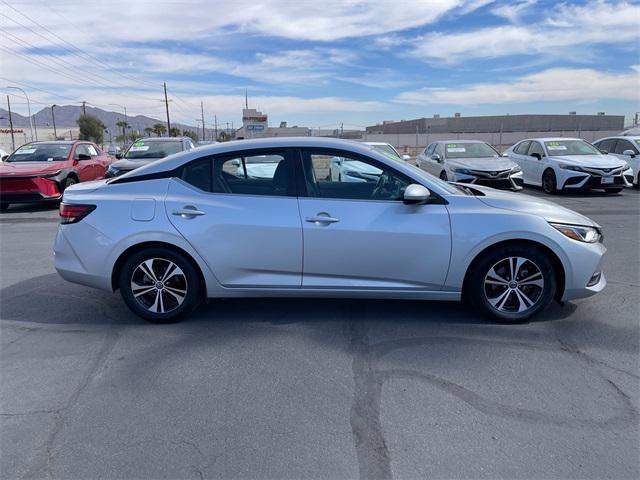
(556,33)
(513,11)
(328,20)
(556,84)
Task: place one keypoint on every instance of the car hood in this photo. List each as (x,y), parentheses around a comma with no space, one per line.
(520,202)
(10,169)
(490,164)
(130,163)
(593,161)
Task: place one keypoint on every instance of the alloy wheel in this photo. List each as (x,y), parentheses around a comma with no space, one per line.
(513,285)
(159,285)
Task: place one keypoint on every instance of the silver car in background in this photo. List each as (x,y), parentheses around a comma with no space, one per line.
(167,235)
(626,149)
(470,161)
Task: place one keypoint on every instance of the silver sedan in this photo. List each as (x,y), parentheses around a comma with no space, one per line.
(195,225)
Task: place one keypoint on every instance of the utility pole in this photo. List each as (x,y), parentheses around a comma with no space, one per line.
(202,111)
(31,120)
(53,117)
(215,128)
(166,103)
(13,141)
(84,108)
(246,99)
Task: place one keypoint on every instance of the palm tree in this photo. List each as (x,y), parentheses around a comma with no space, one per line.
(123,125)
(148,131)
(175,132)
(159,129)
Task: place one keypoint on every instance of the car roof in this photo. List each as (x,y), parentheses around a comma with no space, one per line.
(160,139)
(460,140)
(552,139)
(376,143)
(619,137)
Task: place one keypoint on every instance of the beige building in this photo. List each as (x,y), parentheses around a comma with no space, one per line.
(255,124)
(23,135)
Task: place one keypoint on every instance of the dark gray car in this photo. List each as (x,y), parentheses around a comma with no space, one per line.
(146,150)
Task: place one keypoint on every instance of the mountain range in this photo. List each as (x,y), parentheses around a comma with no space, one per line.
(67,116)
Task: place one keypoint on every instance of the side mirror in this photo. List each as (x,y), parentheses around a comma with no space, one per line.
(436,157)
(4,157)
(631,153)
(236,162)
(416,194)
(119,155)
(83,156)
(406,158)
(604,152)
(505,154)
(536,155)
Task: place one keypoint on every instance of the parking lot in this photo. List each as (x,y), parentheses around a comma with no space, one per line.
(282,388)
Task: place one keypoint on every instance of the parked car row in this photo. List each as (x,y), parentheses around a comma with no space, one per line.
(555,164)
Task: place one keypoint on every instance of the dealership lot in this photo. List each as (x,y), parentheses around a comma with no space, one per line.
(316,388)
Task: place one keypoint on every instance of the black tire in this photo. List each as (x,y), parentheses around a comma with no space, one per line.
(613,190)
(68,182)
(549,183)
(478,292)
(4,206)
(443,176)
(188,280)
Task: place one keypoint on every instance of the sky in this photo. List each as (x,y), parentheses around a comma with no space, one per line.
(324,63)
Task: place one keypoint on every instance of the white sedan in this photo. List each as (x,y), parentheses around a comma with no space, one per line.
(626,149)
(558,164)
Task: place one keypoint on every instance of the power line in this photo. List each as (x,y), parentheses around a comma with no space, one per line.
(74,47)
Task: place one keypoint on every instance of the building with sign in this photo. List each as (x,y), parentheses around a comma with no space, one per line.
(255,124)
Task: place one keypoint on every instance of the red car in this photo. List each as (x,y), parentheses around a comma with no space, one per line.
(40,171)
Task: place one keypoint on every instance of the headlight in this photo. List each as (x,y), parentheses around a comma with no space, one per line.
(575,168)
(579,232)
(463,171)
(516,170)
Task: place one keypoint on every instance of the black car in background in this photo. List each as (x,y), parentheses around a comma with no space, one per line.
(146,150)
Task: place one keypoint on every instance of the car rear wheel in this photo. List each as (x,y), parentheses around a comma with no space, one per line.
(511,284)
(160,285)
(549,184)
(443,176)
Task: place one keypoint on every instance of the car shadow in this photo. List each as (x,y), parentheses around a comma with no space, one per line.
(31,207)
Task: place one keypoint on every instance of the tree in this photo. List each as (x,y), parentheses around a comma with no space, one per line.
(91,128)
(123,125)
(175,132)
(148,131)
(191,134)
(159,129)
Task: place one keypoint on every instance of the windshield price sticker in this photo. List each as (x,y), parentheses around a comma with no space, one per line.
(556,147)
(139,148)
(452,147)
(25,151)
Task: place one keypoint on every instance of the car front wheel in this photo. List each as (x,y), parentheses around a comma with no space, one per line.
(511,284)
(160,285)
(549,183)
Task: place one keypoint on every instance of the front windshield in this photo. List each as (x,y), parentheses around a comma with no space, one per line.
(388,149)
(570,147)
(637,141)
(145,149)
(41,152)
(470,150)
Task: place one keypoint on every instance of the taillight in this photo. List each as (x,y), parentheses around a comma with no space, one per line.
(73,213)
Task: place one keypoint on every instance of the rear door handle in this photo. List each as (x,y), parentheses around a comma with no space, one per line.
(188,211)
(322,218)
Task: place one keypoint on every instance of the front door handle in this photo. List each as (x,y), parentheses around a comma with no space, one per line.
(322,218)
(188,211)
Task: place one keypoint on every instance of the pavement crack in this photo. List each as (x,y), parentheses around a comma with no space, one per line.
(374,461)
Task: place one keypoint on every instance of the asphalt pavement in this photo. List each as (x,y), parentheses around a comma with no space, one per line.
(275,388)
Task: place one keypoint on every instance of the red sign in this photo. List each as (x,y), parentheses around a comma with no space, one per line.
(8,130)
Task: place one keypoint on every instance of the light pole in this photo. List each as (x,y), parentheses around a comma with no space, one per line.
(53,117)
(31,123)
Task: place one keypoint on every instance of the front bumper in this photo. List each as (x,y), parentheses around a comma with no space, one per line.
(585,181)
(503,181)
(28,190)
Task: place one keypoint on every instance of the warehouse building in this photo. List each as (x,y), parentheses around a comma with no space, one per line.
(501,131)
